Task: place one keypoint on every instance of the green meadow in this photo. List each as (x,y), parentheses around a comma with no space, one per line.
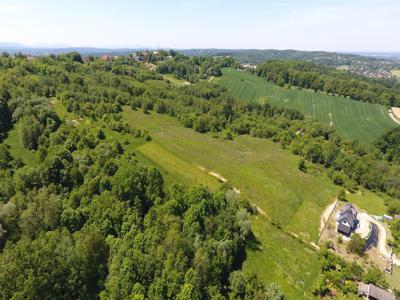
(354,120)
(292,200)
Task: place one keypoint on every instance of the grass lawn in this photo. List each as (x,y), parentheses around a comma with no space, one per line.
(352,119)
(282,259)
(368,201)
(394,279)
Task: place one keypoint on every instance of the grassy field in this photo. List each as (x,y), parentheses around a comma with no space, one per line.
(368,201)
(292,199)
(352,119)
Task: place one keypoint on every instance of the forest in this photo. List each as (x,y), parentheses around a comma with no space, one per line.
(93,222)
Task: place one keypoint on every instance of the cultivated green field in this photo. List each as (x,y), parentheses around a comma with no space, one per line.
(352,119)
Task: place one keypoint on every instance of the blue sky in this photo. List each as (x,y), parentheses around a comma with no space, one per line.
(352,25)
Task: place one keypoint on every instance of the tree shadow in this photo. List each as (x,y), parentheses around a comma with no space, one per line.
(253,243)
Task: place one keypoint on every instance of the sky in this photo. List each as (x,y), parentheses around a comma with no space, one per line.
(335,25)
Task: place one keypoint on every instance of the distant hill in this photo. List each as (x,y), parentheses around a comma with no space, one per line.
(257,56)
(372,65)
(29,50)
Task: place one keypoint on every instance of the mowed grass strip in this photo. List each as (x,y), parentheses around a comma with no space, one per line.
(354,120)
(177,168)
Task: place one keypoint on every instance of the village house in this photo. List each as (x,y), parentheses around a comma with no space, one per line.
(370,291)
(248,67)
(347,220)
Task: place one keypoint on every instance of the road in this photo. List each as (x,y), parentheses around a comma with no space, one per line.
(382,237)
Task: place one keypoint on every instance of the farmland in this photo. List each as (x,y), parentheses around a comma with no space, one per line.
(352,119)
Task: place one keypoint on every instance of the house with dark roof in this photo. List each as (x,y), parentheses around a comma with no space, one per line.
(347,219)
(370,291)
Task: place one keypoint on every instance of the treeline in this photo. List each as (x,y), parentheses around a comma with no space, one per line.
(91,222)
(389,145)
(195,68)
(331,81)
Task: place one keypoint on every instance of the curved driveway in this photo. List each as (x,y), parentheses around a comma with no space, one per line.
(383,250)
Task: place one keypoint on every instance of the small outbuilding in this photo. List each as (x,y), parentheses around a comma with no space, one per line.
(370,291)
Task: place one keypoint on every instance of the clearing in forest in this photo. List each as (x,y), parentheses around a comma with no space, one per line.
(292,200)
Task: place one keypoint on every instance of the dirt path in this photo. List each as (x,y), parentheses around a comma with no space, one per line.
(211,79)
(326,215)
(259,209)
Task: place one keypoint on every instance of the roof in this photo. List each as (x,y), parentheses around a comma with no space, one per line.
(349,208)
(350,218)
(375,292)
(344,228)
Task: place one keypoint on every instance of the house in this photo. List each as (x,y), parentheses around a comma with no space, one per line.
(370,291)
(347,219)
(105,58)
(248,67)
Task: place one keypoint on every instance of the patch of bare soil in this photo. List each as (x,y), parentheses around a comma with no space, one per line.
(394,113)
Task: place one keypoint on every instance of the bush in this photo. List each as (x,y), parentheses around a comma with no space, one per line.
(356,245)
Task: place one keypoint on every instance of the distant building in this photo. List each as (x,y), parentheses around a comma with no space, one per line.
(106,57)
(249,67)
(370,291)
(347,219)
